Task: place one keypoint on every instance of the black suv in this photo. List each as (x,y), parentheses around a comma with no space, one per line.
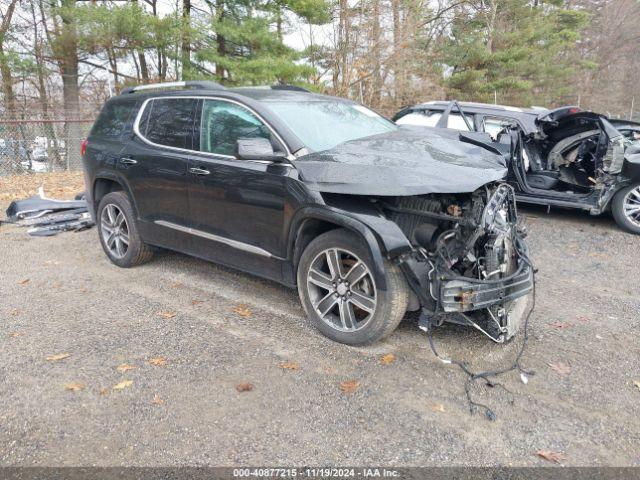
(367,219)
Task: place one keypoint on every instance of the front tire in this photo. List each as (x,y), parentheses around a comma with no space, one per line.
(118,232)
(339,294)
(625,208)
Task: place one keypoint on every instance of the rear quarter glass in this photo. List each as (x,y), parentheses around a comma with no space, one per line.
(114,118)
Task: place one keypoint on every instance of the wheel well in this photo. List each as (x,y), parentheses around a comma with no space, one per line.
(310,229)
(103,186)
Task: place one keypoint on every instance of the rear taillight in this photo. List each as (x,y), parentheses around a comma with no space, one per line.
(83,147)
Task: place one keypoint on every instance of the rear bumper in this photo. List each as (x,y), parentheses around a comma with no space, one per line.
(468,295)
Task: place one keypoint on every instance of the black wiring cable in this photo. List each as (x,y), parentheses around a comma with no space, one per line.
(485,375)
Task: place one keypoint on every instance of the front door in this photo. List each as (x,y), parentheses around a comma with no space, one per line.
(237,207)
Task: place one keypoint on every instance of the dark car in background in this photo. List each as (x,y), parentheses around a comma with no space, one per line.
(367,219)
(565,157)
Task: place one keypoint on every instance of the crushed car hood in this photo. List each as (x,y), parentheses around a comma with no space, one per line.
(407,161)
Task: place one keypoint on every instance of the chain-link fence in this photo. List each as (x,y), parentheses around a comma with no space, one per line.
(28,146)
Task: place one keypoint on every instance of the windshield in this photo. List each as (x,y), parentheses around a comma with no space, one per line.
(321,125)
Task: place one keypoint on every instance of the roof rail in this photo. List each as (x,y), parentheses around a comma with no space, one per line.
(293,88)
(195,84)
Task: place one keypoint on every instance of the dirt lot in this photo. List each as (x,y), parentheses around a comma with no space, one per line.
(193,331)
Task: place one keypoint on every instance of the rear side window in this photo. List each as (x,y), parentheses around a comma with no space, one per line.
(223,123)
(113,119)
(169,121)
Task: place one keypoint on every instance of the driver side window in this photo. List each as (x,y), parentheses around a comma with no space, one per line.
(223,123)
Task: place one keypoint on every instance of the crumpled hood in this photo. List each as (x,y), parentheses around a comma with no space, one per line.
(408,161)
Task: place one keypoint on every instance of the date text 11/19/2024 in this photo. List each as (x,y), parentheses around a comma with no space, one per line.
(319,472)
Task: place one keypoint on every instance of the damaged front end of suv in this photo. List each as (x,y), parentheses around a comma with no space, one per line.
(442,213)
(469,262)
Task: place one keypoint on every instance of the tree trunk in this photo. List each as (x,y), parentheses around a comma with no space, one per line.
(70,88)
(144,70)
(186,40)
(376,40)
(340,76)
(142,61)
(5,70)
(220,40)
(398,57)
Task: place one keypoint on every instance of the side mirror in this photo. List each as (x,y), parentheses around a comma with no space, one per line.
(257,149)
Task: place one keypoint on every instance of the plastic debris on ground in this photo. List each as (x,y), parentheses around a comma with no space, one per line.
(46,217)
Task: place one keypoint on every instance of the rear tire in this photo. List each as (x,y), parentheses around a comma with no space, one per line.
(623,208)
(344,302)
(118,232)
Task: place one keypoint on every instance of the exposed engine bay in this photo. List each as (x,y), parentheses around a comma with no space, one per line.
(468,252)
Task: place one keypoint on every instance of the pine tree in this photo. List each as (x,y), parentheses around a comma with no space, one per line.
(517,51)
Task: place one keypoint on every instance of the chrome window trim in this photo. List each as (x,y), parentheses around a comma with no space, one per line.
(143,107)
(216,238)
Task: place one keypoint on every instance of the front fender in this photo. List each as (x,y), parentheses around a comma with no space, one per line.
(336,217)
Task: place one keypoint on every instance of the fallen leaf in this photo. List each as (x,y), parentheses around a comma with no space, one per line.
(244,387)
(125,367)
(197,302)
(157,400)
(59,356)
(289,366)
(122,385)
(438,407)
(349,386)
(387,359)
(52,262)
(177,285)
(15,334)
(637,384)
(561,368)
(555,457)
(158,361)
(104,391)
(166,315)
(15,312)
(24,282)
(56,285)
(561,325)
(242,310)
(74,386)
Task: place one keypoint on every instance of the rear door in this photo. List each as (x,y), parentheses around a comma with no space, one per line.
(155,165)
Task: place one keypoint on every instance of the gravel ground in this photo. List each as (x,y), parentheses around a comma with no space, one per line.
(61,295)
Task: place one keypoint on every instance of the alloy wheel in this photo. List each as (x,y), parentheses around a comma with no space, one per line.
(341,289)
(632,206)
(114,230)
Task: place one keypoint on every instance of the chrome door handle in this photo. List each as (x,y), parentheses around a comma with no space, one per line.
(128,161)
(199,171)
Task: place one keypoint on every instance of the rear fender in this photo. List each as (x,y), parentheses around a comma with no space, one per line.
(115,177)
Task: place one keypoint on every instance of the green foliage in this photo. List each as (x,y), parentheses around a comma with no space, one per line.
(247,44)
(523,52)
(239,42)
(125,27)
